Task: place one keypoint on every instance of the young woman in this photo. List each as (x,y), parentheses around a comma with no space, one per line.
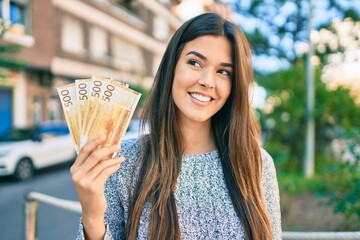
(200,173)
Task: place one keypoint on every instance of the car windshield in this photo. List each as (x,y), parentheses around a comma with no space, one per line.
(17,135)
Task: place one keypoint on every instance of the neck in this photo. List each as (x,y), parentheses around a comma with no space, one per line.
(198,138)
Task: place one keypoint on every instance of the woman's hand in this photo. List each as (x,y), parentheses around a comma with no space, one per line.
(89,173)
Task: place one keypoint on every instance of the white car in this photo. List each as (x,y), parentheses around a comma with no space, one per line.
(24,150)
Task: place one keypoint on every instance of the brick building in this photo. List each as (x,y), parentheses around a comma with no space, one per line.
(67,39)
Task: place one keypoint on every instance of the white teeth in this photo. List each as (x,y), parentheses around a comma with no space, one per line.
(200,97)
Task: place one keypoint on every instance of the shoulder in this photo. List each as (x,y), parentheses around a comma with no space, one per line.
(268,176)
(267,162)
(265,156)
(129,146)
(271,193)
(131,151)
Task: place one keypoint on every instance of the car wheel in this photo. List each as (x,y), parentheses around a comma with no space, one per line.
(24,169)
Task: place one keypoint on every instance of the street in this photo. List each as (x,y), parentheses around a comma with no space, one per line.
(53,223)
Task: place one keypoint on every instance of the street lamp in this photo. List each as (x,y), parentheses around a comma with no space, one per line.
(309,161)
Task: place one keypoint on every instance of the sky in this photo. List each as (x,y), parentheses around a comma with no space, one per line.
(321,15)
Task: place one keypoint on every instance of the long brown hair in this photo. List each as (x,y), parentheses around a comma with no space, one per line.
(236,135)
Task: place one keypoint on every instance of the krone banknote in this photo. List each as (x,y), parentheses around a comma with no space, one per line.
(98,106)
(83,87)
(110,108)
(68,101)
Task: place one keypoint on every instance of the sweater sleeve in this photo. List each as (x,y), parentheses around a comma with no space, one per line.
(271,193)
(81,235)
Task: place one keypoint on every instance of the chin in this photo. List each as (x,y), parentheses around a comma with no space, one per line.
(201,119)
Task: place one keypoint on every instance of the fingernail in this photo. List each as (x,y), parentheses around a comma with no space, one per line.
(102,137)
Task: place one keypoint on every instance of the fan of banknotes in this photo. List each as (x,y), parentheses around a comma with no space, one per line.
(97,106)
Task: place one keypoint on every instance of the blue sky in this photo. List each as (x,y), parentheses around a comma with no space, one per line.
(321,15)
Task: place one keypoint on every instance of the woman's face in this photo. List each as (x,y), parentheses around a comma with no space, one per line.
(202,81)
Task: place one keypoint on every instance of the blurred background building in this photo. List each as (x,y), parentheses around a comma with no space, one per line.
(66,40)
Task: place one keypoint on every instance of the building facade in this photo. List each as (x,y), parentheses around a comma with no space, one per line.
(66,40)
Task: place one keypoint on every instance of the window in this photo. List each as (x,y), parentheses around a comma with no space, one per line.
(38,102)
(130,5)
(72,38)
(161,29)
(98,43)
(15,12)
(127,56)
(165,2)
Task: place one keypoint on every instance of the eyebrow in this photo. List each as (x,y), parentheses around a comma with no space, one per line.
(204,58)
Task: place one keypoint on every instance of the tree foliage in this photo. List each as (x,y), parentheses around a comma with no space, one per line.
(277,27)
(337,43)
(283,116)
(345,177)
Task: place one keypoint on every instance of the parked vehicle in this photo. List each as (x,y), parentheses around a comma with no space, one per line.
(24,150)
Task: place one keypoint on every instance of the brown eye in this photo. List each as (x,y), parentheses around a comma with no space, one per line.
(194,63)
(224,72)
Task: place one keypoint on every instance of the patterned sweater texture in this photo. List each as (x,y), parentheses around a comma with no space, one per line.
(204,207)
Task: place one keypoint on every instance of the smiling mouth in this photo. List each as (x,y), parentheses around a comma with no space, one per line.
(200,98)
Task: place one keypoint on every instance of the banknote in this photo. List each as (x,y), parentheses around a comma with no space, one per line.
(102,106)
(111,106)
(67,96)
(86,93)
(82,88)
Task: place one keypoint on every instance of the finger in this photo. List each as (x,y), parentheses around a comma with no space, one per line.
(87,149)
(91,183)
(103,165)
(96,157)
(106,173)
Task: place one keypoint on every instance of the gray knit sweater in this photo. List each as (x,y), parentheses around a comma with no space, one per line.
(204,207)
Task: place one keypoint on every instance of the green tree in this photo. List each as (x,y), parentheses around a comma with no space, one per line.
(344,177)
(277,27)
(283,116)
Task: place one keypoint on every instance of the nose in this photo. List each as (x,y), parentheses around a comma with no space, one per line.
(207,80)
